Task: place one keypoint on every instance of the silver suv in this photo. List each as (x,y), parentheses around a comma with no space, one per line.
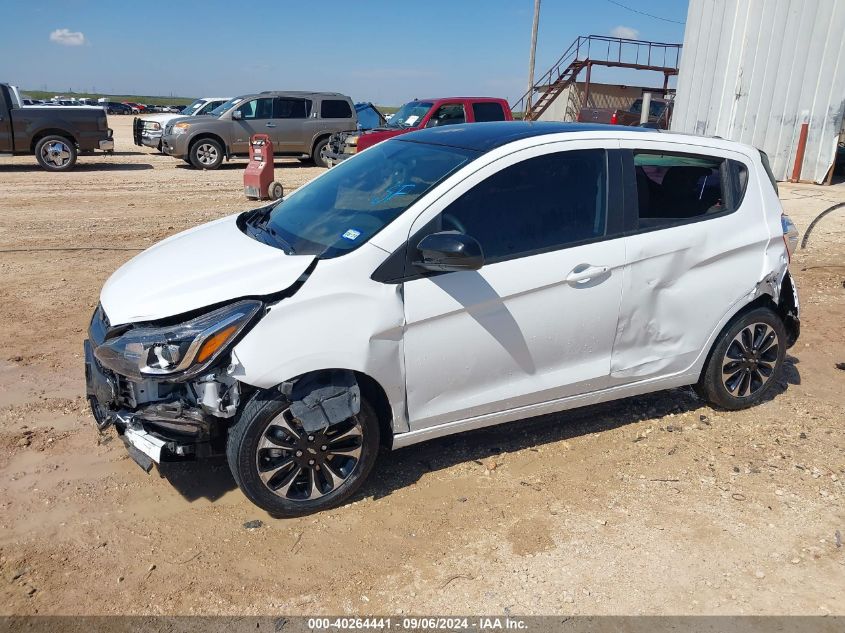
(299,124)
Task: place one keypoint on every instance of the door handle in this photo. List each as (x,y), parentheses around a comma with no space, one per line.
(584,273)
(270,125)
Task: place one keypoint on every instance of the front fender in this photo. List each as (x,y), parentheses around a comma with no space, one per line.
(338,319)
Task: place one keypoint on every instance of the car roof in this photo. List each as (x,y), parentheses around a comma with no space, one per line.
(496,99)
(484,137)
(295,93)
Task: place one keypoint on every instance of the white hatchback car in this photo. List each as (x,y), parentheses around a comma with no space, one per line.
(441,281)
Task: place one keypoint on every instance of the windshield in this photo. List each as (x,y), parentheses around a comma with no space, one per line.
(223,107)
(193,108)
(410,114)
(347,206)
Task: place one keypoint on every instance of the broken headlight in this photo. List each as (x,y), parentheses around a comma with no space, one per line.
(183,350)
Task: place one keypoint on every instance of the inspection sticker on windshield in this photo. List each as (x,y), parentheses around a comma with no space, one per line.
(352,234)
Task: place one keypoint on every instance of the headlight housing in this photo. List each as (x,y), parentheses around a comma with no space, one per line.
(180,128)
(182,350)
(152,125)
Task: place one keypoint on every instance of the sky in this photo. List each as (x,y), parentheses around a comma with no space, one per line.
(384,52)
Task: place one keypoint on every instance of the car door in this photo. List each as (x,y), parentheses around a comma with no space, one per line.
(694,249)
(290,117)
(537,322)
(256,118)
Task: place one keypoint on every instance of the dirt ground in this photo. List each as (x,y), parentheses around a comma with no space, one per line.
(656,504)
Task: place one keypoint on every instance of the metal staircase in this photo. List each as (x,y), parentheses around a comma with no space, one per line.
(596,50)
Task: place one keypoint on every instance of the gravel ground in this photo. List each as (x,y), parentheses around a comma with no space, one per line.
(656,504)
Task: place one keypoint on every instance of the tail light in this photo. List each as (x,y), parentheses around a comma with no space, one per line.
(614,119)
(790,234)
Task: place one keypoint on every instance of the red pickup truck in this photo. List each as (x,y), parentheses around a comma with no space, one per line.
(416,115)
(659,114)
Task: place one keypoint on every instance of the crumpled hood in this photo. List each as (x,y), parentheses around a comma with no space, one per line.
(208,264)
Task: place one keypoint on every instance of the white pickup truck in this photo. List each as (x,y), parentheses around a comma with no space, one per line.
(147,130)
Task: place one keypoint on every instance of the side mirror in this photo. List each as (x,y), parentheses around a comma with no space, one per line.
(237,115)
(449,251)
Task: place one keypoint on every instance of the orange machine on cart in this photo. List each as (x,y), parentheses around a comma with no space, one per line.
(258,175)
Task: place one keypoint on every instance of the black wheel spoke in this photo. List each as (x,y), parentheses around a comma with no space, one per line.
(303,466)
(750,359)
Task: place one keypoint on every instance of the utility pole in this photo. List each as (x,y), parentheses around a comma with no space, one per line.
(531,57)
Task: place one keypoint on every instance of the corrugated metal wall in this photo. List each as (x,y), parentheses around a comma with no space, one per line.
(752,70)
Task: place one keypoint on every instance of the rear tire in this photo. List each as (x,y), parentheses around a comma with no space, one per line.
(206,153)
(56,153)
(746,360)
(280,481)
(319,149)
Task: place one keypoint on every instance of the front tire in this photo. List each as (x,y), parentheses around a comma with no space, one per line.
(206,153)
(746,361)
(289,472)
(56,153)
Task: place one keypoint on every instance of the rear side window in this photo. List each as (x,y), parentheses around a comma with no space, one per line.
(291,108)
(673,188)
(488,111)
(540,204)
(335,109)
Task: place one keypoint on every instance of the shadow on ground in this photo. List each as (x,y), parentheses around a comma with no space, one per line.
(212,479)
(80,166)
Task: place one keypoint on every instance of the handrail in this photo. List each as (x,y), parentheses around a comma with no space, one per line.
(583,49)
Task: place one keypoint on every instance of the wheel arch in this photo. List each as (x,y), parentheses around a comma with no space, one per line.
(208,135)
(319,137)
(40,134)
(371,390)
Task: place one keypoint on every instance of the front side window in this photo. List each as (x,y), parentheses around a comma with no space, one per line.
(335,109)
(344,208)
(257,109)
(540,204)
(487,111)
(292,108)
(449,114)
(677,187)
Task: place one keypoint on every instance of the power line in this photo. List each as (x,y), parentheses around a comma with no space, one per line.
(656,17)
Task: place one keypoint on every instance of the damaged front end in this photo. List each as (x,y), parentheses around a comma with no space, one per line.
(341,145)
(166,386)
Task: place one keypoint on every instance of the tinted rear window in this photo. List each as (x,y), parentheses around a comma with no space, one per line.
(335,109)
(488,112)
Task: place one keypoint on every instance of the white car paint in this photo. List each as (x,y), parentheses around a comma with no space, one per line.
(199,267)
(469,349)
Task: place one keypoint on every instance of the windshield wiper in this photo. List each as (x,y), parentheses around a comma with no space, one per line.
(258,223)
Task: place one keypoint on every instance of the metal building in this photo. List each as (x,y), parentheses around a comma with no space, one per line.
(754,70)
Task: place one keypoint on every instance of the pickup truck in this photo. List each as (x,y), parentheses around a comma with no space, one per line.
(416,115)
(659,114)
(56,135)
(148,130)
